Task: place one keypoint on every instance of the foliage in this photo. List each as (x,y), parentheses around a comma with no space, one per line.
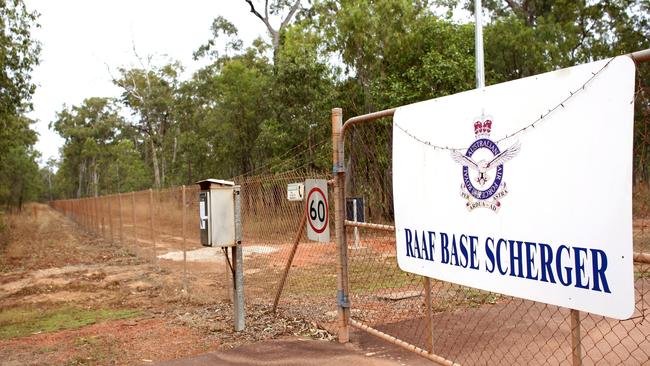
(19,179)
(99,155)
(267,107)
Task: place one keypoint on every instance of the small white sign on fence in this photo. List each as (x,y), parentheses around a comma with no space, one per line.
(560,231)
(296,191)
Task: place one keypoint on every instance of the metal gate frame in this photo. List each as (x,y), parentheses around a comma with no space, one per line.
(342,297)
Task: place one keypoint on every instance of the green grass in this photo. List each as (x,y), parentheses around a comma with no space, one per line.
(20,322)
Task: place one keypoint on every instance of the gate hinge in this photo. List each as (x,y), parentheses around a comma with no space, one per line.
(342,299)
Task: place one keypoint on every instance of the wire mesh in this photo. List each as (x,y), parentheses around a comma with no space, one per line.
(162,226)
(471,326)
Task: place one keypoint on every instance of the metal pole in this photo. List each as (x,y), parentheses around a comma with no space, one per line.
(342,297)
(287,267)
(480,72)
(183,208)
(356,229)
(407,346)
(238,262)
(576,346)
(427,299)
(119,205)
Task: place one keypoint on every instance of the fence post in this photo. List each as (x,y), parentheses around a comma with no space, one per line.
(135,227)
(427,298)
(110,217)
(576,340)
(119,207)
(338,160)
(103,214)
(153,235)
(184,216)
(94,208)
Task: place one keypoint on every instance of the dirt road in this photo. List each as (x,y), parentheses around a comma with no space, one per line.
(70,298)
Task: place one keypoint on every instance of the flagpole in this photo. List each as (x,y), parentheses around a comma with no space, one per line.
(480,72)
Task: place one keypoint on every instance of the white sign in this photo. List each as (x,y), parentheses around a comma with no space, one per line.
(523,188)
(202,214)
(317,210)
(296,191)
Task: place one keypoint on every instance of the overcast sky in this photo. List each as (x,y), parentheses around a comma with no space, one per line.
(80,38)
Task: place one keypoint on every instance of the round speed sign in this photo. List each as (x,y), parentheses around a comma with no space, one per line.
(317,210)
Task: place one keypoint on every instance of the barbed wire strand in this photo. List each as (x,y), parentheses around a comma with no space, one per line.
(521,130)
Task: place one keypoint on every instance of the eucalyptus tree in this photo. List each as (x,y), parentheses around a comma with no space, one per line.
(150,93)
(88,130)
(18,166)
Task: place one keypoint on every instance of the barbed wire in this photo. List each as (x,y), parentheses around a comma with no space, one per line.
(523,129)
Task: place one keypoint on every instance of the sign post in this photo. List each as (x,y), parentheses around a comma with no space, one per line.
(317,210)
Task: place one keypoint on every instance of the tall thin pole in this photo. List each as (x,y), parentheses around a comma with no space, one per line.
(184,240)
(576,339)
(480,71)
(341,241)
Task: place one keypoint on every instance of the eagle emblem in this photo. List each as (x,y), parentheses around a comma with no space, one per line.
(486,170)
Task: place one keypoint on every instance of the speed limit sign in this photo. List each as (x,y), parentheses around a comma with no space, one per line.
(317,210)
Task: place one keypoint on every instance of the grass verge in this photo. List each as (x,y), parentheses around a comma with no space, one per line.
(18,322)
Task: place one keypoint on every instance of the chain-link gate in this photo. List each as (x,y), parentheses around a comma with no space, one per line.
(449,323)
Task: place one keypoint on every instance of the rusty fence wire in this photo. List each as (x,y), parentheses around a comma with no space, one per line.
(444,322)
(454,324)
(162,228)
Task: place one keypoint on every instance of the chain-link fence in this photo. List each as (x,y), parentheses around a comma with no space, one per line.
(451,324)
(162,226)
(444,322)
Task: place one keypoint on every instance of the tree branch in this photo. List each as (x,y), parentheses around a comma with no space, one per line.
(293,11)
(263,19)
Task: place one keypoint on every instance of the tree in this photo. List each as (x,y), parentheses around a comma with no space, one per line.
(150,93)
(99,155)
(18,168)
(275,8)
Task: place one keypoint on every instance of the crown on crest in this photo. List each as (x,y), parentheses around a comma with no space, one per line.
(482,129)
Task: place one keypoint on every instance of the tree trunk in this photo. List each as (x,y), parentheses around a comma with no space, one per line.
(82,171)
(95,179)
(154,160)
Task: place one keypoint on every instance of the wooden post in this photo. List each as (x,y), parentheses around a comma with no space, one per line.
(342,295)
(135,227)
(429,314)
(576,346)
(119,207)
(153,235)
(183,220)
(287,267)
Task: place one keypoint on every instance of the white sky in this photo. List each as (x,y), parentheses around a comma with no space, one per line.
(81,37)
